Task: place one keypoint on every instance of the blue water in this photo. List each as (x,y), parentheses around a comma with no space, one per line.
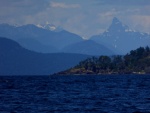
(79,94)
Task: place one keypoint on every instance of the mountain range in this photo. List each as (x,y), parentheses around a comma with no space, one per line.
(121,39)
(88,47)
(37,50)
(117,39)
(43,40)
(16,60)
(44,36)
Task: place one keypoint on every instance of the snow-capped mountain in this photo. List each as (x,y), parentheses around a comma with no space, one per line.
(50,27)
(118,39)
(117,26)
(121,39)
(38,35)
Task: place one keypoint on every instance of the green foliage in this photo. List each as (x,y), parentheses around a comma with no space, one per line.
(137,61)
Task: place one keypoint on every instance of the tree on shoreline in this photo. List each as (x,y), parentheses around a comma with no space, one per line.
(137,61)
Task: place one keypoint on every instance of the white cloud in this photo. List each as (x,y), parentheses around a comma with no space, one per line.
(63,5)
(141,22)
(124,2)
(110,13)
(83,17)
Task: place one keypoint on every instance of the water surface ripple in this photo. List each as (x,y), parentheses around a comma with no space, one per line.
(79,94)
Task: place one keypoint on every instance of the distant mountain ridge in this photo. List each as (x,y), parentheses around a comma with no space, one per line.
(45,37)
(43,40)
(121,38)
(16,60)
(35,45)
(117,39)
(88,47)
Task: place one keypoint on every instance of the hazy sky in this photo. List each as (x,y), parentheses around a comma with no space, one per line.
(83,17)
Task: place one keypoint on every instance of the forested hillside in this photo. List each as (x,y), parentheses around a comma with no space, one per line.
(137,62)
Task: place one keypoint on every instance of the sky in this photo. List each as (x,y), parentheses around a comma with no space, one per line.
(83,17)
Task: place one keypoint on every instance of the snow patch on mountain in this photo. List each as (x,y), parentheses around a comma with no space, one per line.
(121,38)
(40,26)
(50,27)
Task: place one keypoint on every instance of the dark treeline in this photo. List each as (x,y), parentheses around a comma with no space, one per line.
(137,61)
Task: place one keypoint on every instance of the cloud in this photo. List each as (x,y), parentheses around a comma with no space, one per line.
(63,5)
(22,7)
(84,17)
(110,13)
(141,22)
(124,2)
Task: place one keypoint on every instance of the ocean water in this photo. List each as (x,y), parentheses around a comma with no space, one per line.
(75,94)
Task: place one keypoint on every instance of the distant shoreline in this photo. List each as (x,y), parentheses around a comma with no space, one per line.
(103,74)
